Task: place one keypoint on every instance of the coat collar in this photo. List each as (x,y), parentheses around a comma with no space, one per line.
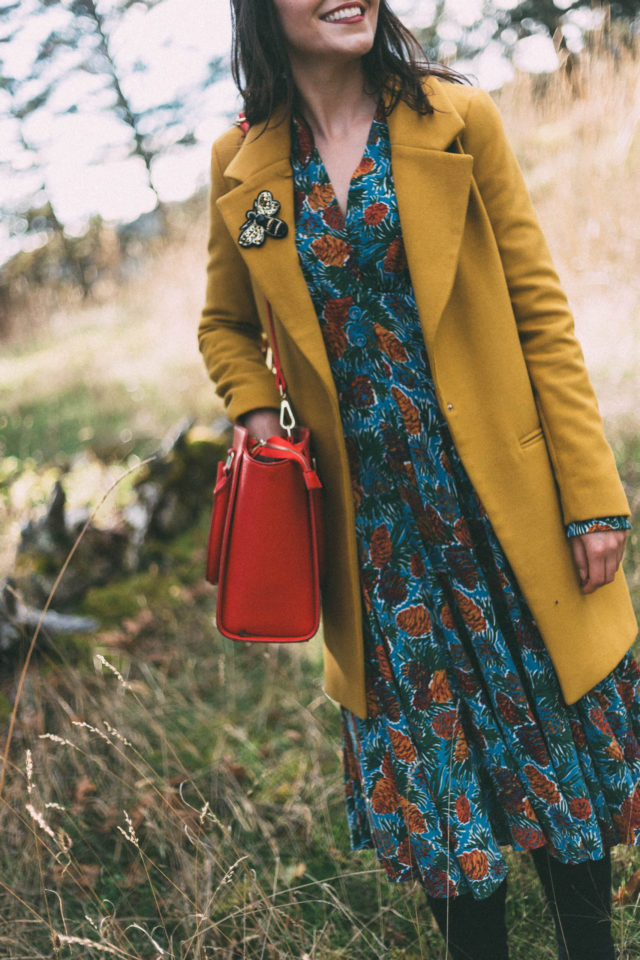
(264,146)
(261,148)
(432,187)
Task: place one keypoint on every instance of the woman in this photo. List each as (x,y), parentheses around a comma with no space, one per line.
(479,654)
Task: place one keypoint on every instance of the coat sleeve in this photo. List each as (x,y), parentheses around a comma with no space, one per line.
(583,463)
(230,333)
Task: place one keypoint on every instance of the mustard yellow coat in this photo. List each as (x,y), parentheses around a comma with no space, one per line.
(509,373)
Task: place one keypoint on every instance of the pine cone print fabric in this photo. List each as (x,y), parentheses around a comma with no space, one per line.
(468,746)
(332,251)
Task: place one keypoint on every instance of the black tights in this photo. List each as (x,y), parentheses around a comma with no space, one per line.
(580,899)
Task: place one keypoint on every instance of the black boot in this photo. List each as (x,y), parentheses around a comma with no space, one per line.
(474,929)
(580,899)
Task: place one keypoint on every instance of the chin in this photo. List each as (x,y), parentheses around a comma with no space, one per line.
(351,47)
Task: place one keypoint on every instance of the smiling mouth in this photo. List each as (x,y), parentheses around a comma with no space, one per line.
(348,12)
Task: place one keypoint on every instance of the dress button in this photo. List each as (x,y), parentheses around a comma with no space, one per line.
(449,406)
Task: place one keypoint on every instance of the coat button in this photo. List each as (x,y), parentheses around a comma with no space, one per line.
(449,406)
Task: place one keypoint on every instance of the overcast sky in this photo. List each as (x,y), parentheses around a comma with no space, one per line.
(176,41)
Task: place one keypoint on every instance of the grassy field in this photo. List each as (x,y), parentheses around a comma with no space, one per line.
(169,793)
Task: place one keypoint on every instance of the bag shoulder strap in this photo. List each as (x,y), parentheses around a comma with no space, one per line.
(281,383)
(242,122)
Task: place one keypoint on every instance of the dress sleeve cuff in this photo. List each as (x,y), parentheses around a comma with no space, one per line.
(598,525)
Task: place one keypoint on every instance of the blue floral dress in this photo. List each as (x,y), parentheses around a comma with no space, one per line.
(468,744)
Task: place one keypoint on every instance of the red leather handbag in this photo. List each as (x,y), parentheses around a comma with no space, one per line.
(265,547)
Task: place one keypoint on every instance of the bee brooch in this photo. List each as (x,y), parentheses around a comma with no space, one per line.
(262,222)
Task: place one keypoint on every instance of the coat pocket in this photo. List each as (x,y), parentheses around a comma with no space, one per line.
(529,439)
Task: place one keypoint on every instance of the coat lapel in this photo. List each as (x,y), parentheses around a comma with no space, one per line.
(262,163)
(432,187)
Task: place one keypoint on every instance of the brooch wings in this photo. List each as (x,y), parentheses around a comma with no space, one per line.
(262,222)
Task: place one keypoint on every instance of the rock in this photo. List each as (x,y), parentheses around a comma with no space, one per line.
(178,484)
(49,534)
(9,631)
(168,497)
(16,617)
(45,545)
(55,622)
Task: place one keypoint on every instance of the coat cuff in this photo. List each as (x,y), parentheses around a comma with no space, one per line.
(257,395)
(600,524)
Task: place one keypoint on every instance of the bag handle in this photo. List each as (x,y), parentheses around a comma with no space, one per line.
(287,418)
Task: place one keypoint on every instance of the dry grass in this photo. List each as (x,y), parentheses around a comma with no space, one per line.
(161,799)
(581,155)
(107,379)
(143,338)
(182,808)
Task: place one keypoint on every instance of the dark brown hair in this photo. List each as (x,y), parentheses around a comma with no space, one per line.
(395,65)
